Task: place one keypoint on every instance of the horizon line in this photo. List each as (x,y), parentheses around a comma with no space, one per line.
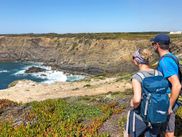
(32,33)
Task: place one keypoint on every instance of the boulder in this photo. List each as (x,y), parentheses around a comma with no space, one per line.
(35,70)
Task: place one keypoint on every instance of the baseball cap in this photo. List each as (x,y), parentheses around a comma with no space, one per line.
(161,38)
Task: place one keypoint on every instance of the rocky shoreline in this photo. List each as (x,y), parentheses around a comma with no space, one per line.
(75,56)
(71,54)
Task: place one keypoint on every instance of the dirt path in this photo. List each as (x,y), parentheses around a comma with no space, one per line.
(27,91)
(113,126)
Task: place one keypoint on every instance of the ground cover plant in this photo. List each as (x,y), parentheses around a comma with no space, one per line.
(75,116)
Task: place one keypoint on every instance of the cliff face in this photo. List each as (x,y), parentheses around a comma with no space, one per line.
(84,55)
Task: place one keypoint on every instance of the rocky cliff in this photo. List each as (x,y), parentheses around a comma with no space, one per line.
(92,56)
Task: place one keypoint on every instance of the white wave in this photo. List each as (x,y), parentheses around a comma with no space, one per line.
(4,71)
(22,71)
(35,63)
(72,78)
(51,76)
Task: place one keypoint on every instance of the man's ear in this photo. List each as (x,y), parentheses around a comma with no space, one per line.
(158,45)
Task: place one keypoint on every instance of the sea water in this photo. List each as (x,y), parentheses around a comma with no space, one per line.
(12,71)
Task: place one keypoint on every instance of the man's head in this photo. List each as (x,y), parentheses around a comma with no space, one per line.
(161,42)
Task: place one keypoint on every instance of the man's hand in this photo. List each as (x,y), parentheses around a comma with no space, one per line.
(170,110)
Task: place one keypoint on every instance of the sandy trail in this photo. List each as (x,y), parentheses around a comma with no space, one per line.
(28,91)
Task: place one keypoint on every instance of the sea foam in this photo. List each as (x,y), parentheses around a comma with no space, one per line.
(48,76)
(4,71)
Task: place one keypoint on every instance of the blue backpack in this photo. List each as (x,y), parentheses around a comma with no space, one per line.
(155,103)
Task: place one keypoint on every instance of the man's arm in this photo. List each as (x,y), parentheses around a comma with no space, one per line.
(175,90)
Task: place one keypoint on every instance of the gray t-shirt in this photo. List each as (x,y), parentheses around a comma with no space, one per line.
(146,74)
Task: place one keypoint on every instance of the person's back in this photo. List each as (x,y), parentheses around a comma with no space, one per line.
(170,70)
(136,125)
(167,66)
(155,103)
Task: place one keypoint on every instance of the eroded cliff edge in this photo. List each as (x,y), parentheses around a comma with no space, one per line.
(75,54)
(80,54)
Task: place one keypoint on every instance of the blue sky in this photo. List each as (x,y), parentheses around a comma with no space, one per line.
(75,16)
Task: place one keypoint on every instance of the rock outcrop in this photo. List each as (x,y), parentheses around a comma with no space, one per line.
(34,70)
(75,54)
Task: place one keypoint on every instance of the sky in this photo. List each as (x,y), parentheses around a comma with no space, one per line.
(84,16)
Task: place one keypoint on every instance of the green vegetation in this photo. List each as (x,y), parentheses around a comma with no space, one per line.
(12,84)
(71,117)
(180,61)
(115,35)
(87,85)
(124,76)
(75,116)
(178,132)
(101,76)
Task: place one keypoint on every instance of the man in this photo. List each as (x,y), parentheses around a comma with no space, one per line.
(169,69)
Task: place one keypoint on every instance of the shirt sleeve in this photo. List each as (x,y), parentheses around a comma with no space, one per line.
(169,67)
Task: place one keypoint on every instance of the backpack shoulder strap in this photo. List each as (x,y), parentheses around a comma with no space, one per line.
(176,61)
(156,73)
(141,75)
(170,56)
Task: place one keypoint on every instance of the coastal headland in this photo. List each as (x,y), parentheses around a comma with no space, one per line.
(94,106)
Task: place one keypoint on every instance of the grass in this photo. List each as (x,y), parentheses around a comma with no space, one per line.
(178,131)
(87,85)
(71,117)
(114,35)
(75,116)
(124,76)
(12,84)
(180,61)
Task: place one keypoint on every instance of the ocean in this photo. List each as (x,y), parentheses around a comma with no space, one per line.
(12,71)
